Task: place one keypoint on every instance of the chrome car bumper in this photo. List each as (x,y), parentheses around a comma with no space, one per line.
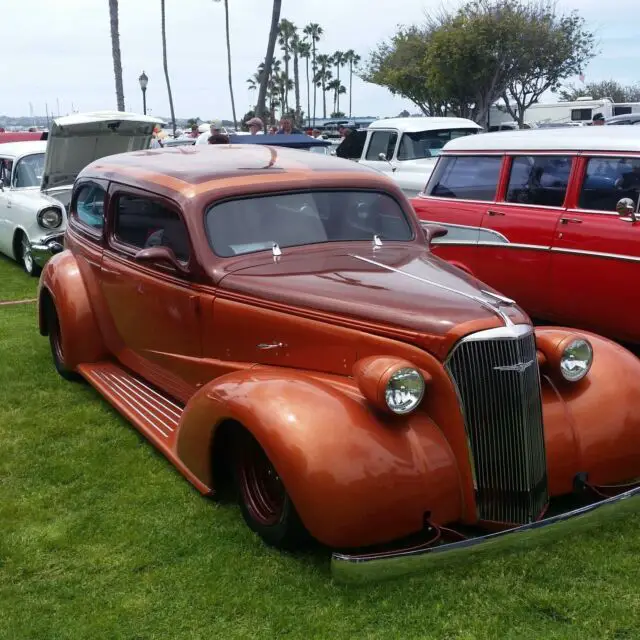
(47,247)
(381,566)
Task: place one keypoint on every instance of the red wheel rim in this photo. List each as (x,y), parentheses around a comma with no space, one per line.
(262,490)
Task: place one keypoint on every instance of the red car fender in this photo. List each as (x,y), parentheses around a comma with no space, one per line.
(355,476)
(62,283)
(591,426)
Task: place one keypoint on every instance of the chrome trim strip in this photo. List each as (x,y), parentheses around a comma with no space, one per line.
(597,254)
(484,303)
(515,245)
(152,402)
(513,331)
(392,564)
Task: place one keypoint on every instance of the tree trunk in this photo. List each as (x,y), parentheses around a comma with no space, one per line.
(296,84)
(350,84)
(308,94)
(268,60)
(337,104)
(233,102)
(115,53)
(324,100)
(166,69)
(314,68)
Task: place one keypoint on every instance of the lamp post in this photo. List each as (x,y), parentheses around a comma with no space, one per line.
(143,85)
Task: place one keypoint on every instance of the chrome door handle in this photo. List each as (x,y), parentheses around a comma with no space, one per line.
(495,213)
(272,345)
(572,220)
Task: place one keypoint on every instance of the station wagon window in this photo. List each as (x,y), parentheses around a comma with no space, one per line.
(382,142)
(578,115)
(243,226)
(607,180)
(428,144)
(29,171)
(5,171)
(143,223)
(539,180)
(466,177)
(89,207)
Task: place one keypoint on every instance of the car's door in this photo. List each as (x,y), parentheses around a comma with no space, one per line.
(460,190)
(596,255)
(154,309)
(380,149)
(516,257)
(6,227)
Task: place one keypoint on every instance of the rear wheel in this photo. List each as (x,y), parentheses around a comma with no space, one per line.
(265,504)
(55,341)
(25,256)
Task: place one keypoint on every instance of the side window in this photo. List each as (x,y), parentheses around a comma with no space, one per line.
(143,223)
(466,177)
(539,180)
(5,171)
(89,206)
(578,115)
(382,142)
(607,180)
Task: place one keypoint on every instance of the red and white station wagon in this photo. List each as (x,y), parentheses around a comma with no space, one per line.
(547,217)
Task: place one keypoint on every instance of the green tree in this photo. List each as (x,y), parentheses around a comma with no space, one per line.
(313,32)
(268,59)
(339,60)
(164,64)
(295,49)
(286,32)
(322,77)
(226,22)
(304,50)
(353,60)
(604,89)
(115,53)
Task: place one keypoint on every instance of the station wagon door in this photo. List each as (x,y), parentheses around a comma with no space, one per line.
(596,254)
(381,146)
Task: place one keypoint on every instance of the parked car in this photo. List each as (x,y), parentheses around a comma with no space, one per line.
(627,118)
(405,148)
(275,319)
(548,218)
(36,178)
(22,136)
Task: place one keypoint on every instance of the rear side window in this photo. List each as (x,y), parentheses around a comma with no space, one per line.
(607,180)
(578,115)
(143,223)
(539,180)
(466,177)
(6,165)
(382,142)
(89,206)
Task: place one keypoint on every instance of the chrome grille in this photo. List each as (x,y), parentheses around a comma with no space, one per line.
(498,382)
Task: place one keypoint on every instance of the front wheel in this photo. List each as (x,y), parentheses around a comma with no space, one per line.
(55,341)
(265,504)
(26,257)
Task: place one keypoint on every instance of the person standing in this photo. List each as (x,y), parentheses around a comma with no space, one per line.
(255,126)
(598,120)
(286,127)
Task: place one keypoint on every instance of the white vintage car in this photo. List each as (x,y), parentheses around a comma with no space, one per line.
(36,178)
(405,149)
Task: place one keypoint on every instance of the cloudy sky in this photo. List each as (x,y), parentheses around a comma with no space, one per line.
(59,51)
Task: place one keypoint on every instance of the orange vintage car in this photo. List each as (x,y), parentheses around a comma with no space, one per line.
(274,319)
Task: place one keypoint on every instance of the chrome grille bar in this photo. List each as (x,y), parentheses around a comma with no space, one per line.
(498,383)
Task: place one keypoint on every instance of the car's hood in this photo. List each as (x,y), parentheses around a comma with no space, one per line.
(77,140)
(403,286)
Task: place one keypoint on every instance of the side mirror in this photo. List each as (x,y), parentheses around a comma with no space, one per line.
(626,209)
(160,254)
(433,231)
(382,156)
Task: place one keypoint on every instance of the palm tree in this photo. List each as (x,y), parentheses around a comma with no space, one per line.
(338,89)
(166,69)
(339,60)
(115,53)
(295,48)
(313,31)
(352,59)
(322,77)
(286,32)
(304,51)
(233,102)
(268,59)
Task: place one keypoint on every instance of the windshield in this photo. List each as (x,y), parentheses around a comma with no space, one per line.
(428,144)
(28,171)
(253,224)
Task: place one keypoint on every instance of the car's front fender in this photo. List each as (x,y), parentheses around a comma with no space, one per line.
(355,476)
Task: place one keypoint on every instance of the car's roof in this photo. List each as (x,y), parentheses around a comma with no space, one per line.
(15,149)
(190,170)
(631,117)
(620,138)
(412,125)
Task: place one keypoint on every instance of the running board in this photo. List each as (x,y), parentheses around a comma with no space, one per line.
(152,413)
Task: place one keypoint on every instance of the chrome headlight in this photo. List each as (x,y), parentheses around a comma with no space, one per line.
(50,218)
(576,360)
(405,390)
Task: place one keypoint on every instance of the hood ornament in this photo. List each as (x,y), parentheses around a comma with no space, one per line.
(519,367)
(377,241)
(277,252)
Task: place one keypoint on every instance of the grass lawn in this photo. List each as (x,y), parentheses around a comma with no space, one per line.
(15,284)
(101,538)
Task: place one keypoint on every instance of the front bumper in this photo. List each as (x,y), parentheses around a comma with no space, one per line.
(47,247)
(381,566)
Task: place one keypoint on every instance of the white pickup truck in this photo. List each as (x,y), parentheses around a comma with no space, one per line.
(404,148)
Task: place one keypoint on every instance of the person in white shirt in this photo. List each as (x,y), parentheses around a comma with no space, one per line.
(214,130)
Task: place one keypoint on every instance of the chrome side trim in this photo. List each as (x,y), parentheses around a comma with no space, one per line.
(597,254)
(382,566)
(515,245)
(484,303)
(513,331)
